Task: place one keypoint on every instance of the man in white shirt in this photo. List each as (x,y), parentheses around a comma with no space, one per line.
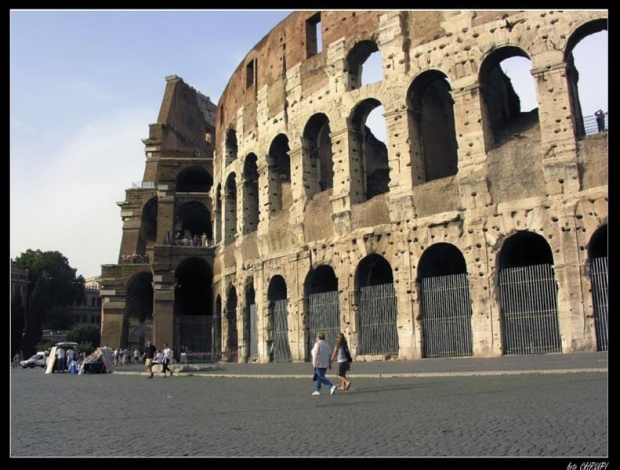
(320,361)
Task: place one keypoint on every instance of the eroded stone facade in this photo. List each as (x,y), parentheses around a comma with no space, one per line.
(299,183)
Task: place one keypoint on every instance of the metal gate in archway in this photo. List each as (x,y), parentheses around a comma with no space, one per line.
(194,337)
(446,316)
(323,315)
(600,293)
(253,330)
(529,311)
(281,349)
(377,320)
(138,334)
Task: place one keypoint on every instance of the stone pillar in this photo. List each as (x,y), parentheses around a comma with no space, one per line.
(163,309)
(558,144)
(113,317)
(472,140)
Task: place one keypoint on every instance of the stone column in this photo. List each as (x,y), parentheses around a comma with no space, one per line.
(558,142)
(163,309)
(112,316)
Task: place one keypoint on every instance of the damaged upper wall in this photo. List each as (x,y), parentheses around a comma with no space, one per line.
(186,117)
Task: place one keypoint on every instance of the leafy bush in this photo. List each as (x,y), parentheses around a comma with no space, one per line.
(85,334)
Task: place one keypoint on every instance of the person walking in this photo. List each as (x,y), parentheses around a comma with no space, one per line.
(320,361)
(136,355)
(148,355)
(166,360)
(343,356)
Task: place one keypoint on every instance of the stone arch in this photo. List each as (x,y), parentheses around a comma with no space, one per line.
(318,174)
(193,218)
(251,208)
(218,213)
(230,209)
(501,108)
(138,316)
(528,296)
(323,310)
(279,174)
(250,321)
(432,132)
(369,156)
(446,310)
(277,321)
(232,341)
(193,306)
(599,274)
(230,147)
(194,179)
(377,310)
(148,227)
(355,60)
(572,74)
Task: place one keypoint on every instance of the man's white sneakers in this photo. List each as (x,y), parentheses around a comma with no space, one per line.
(332,390)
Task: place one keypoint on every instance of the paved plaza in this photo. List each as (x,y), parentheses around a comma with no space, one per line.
(552,406)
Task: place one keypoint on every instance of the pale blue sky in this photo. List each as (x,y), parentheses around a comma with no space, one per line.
(84,87)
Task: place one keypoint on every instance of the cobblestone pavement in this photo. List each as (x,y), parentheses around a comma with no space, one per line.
(128,415)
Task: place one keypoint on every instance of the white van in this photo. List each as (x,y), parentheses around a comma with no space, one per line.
(39,360)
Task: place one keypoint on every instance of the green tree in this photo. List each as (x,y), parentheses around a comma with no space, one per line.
(17,323)
(87,333)
(53,284)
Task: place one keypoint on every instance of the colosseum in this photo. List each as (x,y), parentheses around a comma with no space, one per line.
(475,229)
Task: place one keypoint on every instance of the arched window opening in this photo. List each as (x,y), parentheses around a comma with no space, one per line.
(250,322)
(217,326)
(599,280)
(193,309)
(191,221)
(230,208)
(318,164)
(218,213)
(251,209)
(370,167)
(445,302)
(503,111)
(528,296)
(195,179)
(138,324)
(232,343)
(231,146)
(360,67)
(323,306)
(376,299)
(277,321)
(280,193)
(432,133)
(586,58)
(148,228)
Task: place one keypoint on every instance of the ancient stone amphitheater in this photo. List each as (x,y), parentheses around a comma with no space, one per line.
(475,229)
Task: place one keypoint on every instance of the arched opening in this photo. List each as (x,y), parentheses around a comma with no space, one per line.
(251,209)
(502,114)
(277,321)
(217,328)
(318,171)
(230,145)
(230,208)
(586,61)
(599,279)
(148,228)
(370,171)
(138,324)
(445,302)
(192,220)
(376,299)
(218,213)
(528,296)
(232,342)
(193,308)
(250,322)
(432,132)
(195,179)
(323,306)
(280,195)
(363,64)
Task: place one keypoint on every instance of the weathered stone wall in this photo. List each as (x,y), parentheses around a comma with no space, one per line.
(531,175)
